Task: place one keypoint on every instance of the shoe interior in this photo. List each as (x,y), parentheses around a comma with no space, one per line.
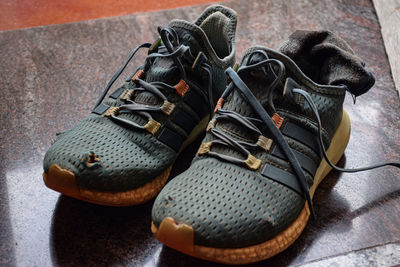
(217,26)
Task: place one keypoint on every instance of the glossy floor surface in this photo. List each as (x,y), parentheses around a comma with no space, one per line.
(31,13)
(51,77)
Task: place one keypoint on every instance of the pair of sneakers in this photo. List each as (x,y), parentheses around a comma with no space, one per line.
(275,126)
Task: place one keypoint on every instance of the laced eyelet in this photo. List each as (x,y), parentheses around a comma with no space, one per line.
(181,88)
(111,111)
(138,75)
(264,143)
(204,148)
(278,120)
(167,107)
(152,126)
(219,105)
(252,162)
(211,124)
(126,95)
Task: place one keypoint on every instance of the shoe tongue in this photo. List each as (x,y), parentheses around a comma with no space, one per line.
(190,35)
(257,81)
(237,103)
(164,69)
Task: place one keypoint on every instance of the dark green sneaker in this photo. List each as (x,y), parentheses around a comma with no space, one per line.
(247,194)
(122,153)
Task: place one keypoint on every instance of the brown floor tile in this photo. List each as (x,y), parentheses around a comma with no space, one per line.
(31,13)
(51,77)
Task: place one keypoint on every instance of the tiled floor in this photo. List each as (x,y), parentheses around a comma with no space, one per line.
(31,13)
(51,77)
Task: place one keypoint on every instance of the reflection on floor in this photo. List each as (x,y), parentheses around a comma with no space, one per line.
(51,77)
(383,255)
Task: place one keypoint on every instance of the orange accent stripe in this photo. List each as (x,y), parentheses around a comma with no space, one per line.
(138,75)
(181,88)
(278,120)
(220,102)
(31,13)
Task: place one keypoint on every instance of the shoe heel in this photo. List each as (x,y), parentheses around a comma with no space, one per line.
(335,151)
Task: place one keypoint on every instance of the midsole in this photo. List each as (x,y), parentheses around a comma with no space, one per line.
(335,151)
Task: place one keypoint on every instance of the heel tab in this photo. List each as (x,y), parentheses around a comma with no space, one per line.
(228,12)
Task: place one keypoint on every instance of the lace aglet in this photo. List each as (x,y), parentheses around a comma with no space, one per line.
(310,207)
(354,98)
(313,216)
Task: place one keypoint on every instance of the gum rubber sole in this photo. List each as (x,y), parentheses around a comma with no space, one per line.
(64,181)
(181,236)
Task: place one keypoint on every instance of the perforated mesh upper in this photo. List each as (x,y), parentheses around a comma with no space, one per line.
(227,205)
(128,157)
(233,206)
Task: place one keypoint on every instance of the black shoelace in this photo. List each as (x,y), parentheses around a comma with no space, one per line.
(171,49)
(250,124)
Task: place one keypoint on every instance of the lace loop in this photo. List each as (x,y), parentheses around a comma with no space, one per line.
(169,48)
(119,71)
